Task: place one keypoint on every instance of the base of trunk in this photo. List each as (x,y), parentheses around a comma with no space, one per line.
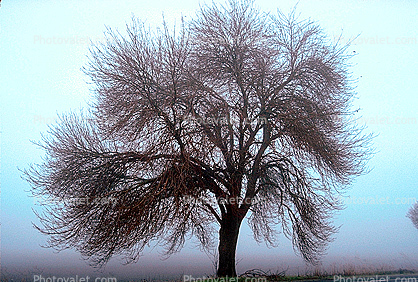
(228,238)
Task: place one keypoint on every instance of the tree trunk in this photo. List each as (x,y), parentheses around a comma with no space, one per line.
(228,238)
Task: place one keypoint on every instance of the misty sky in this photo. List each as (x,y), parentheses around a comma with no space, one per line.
(43,46)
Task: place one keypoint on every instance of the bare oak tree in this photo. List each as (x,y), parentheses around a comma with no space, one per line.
(413,214)
(240,114)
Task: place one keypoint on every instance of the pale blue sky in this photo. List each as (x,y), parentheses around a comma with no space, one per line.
(43,45)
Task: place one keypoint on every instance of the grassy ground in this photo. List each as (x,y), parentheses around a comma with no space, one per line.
(318,275)
(257,275)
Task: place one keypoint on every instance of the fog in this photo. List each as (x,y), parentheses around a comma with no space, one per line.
(43,47)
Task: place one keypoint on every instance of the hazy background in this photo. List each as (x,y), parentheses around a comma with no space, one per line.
(43,45)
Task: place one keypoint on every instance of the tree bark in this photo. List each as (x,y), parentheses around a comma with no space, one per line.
(228,238)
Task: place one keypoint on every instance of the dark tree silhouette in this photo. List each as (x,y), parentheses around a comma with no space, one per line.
(413,214)
(239,114)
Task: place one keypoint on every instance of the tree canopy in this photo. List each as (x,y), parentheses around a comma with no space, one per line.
(238,114)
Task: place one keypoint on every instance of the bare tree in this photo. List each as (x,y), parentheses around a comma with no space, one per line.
(239,114)
(413,214)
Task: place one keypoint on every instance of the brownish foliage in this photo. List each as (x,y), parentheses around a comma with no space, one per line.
(413,215)
(239,113)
